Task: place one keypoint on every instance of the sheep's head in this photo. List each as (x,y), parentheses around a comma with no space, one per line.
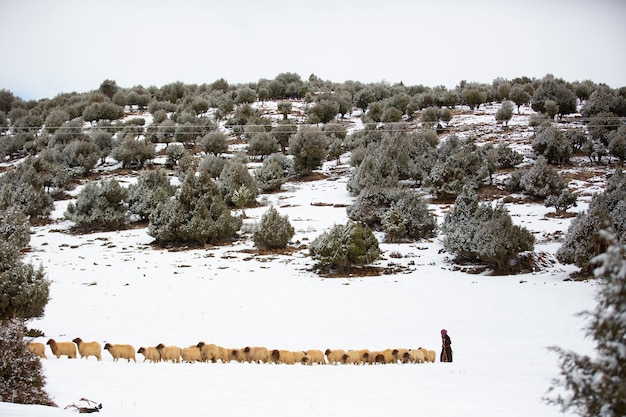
(50,342)
(160,346)
(141,349)
(200,344)
(107,346)
(77,340)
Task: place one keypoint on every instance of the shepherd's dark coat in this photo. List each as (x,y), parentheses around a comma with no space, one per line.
(446,349)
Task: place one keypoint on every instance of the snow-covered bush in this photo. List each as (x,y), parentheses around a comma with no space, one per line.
(21,375)
(99,206)
(152,188)
(273,231)
(345,246)
(595,385)
(540,181)
(24,289)
(309,149)
(131,151)
(273,173)
(197,215)
(477,232)
(24,188)
(551,143)
(234,175)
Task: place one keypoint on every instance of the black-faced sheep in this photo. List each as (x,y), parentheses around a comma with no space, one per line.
(62,348)
(169,353)
(87,349)
(39,349)
(335,356)
(298,356)
(257,354)
(399,354)
(121,351)
(150,353)
(283,356)
(352,357)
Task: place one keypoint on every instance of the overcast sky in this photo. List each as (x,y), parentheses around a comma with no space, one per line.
(50,47)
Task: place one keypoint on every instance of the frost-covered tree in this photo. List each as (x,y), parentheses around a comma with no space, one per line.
(23,288)
(519,96)
(262,144)
(323,111)
(197,215)
(345,246)
(596,385)
(212,165)
(99,206)
(104,141)
(273,173)
(151,189)
(22,379)
(283,132)
(273,231)
(373,172)
(561,202)
(617,143)
(24,188)
(133,152)
(234,175)
(477,232)
(550,142)
(540,181)
(81,156)
(556,90)
(214,143)
(582,241)
(309,149)
(505,112)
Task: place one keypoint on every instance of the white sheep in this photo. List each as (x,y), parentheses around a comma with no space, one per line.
(121,351)
(283,356)
(314,356)
(150,353)
(352,357)
(335,356)
(209,352)
(414,356)
(429,355)
(257,354)
(62,348)
(38,349)
(87,349)
(169,353)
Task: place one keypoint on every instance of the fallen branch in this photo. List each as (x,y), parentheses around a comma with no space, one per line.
(90,407)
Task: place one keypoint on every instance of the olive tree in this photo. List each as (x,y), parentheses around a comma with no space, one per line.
(273,231)
(309,149)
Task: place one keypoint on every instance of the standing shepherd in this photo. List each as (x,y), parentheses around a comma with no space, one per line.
(446,347)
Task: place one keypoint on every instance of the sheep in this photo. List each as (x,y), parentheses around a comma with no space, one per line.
(399,354)
(414,356)
(62,348)
(39,349)
(87,349)
(352,357)
(191,354)
(121,351)
(257,354)
(314,356)
(150,353)
(363,353)
(169,353)
(210,352)
(429,355)
(240,355)
(298,356)
(283,356)
(335,356)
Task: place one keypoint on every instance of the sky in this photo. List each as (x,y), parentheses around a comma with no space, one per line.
(73,45)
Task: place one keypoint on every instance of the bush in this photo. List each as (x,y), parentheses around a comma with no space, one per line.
(309,150)
(233,176)
(551,143)
(197,215)
(214,143)
(151,189)
(345,246)
(24,290)
(273,173)
(478,232)
(133,152)
(273,231)
(99,206)
(540,181)
(24,189)
(22,379)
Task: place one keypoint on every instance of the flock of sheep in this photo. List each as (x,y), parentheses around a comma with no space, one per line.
(203,352)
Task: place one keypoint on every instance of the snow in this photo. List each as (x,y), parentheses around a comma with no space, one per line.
(117,288)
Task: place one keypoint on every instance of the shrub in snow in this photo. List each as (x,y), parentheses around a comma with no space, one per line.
(151,188)
(557,91)
(617,143)
(552,144)
(174,153)
(81,156)
(273,231)
(262,144)
(345,246)
(373,172)
(561,202)
(21,375)
(505,112)
(309,149)
(596,385)
(477,232)
(234,175)
(583,241)
(99,206)
(283,132)
(24,290)
(540,181)
(24,189)
(212,165)
(197,214)
(132,152)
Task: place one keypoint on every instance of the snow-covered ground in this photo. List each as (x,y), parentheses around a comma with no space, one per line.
(116,288)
